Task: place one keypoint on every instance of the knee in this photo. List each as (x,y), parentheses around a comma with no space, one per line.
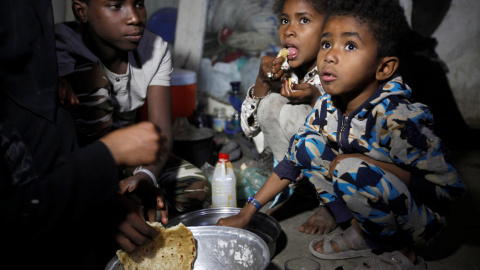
(353,167)
(353,174)
(348,174)
(292,117)
(269,108)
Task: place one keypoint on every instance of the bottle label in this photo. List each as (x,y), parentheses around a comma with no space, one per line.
(219,124)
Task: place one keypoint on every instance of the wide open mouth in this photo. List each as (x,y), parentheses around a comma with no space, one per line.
(292,52)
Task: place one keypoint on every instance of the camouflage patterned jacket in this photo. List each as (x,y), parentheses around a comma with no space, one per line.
(388,128)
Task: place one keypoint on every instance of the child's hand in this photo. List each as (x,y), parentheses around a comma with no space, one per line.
(238,221)
(268,76)
(271,68)
(151,197)
(300,93)
(66,94)
(138,144)
(275,71)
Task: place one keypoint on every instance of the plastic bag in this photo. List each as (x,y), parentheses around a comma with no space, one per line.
(249,181)
(215,79)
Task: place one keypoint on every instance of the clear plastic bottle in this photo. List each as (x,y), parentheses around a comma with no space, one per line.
(224,190)
(219,119)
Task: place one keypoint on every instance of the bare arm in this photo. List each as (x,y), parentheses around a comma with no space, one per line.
(269,190)
(160,113)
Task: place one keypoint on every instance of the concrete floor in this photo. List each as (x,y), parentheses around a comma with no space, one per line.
(458,247)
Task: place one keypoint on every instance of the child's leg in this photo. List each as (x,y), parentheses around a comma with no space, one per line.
(302,197)
(383,205)
(93,116)
(313,153)
(279,121)
(185,187)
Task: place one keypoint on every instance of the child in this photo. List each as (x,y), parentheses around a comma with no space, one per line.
(370,150)
(279,113)
(113,64)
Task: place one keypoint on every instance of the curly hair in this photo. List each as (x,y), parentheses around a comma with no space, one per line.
(318,5)
(385,19)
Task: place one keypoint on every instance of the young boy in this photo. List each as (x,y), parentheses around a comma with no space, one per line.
(114,65)
(372,152)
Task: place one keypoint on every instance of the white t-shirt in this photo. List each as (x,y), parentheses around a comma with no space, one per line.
(149,64)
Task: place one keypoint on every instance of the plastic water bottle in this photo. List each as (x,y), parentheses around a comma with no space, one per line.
(219,120)
(224,190)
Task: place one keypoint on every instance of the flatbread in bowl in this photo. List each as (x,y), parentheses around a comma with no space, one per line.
(173,248)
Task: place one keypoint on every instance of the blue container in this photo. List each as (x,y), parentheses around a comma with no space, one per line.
(163,23)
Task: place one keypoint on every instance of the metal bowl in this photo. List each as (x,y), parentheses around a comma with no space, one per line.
(261,224)
(222,248)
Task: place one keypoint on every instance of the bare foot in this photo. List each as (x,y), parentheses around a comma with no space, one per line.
(319,223)
(409,253)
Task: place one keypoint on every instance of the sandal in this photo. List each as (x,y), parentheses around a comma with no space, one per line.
(357,248)
(392,260)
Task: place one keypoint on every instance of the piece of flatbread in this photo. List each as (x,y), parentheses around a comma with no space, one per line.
(284,53)
(173,248)
(291,81)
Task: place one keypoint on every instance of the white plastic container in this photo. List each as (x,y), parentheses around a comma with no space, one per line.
(224,190)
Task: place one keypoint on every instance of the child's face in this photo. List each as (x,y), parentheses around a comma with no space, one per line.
(347,60)
(117,24)
(300,28)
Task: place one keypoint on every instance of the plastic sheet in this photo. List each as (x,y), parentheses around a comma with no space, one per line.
(249,181)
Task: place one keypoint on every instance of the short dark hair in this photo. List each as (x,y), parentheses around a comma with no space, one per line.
(319,5)
(385,19)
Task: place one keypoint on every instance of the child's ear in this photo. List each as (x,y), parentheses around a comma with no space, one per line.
(387,67)
(79,9)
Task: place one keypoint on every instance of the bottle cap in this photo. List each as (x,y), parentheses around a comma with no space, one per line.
(235,87)
(223,156)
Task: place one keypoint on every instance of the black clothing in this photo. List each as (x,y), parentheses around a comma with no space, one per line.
(48,186)
(27,52)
